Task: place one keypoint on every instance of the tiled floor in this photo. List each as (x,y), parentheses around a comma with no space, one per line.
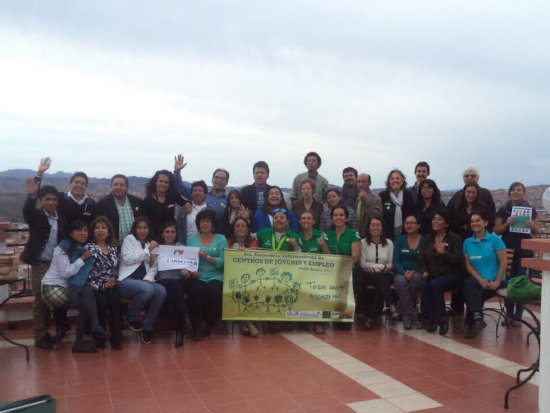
(384,370)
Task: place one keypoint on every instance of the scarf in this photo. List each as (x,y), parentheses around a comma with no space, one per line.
(398,202)
(74,251)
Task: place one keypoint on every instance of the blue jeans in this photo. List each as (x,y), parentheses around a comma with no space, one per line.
(142,292)
(433,294)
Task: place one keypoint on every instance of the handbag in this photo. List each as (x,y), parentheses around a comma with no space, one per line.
(521,288)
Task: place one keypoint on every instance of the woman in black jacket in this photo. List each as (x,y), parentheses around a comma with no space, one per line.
(160,200)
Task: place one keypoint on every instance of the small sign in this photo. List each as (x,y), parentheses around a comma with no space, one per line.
(177,257)
(522,215)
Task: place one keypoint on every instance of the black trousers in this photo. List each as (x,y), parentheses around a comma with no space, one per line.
(174,303)
(382,281)
(475,295)
(108,310)
(204,300)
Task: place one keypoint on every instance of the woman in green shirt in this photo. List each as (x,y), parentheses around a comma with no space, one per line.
(342,240)
(310,239)
(276,237)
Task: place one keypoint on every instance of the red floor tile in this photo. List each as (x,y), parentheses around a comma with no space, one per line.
(276,405)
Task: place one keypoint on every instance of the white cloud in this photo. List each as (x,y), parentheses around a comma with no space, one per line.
(419,89)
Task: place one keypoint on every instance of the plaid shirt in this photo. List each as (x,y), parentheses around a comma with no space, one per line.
(125,218)
(326,221)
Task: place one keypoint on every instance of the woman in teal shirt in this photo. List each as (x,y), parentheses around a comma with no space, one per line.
(407,278)
(310,239)
(205,290)
(485,256)
(277,236)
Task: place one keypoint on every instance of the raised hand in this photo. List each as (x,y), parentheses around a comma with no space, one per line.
(32,186)
(44,165)
(179,162)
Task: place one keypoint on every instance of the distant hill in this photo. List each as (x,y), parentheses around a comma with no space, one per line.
(13,191)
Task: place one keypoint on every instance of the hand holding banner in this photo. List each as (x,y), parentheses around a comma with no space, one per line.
(177,257)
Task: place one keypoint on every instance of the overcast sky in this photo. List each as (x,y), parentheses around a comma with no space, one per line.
(122,86)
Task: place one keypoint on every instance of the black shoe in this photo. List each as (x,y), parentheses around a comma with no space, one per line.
(432,326)
(100,342)
(196,335)
(206,330)
(61,332)
(133,325)
(45,342)
(407,321)
(179,339)
(83,348)
(146,337)
(116,344)
(369,323)
(471,331)
(100,332)
(443,327)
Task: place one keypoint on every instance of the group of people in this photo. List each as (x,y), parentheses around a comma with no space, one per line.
(404,236)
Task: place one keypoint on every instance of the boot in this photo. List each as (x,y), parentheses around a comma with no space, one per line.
(407,321)
(443,326)
(415,321)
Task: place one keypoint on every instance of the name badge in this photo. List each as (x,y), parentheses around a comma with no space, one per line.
(171,206)
(405,251)
(475,257)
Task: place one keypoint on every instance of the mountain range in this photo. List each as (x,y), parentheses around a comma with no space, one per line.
(13,191)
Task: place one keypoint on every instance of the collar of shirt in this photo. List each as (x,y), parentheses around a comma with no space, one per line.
(199,207)
(216,196)
(81,202)
(49,216)
(313,174)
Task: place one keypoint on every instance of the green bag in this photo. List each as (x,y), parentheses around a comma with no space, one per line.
(522,289)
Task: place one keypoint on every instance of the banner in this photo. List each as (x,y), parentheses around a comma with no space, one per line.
(287,286)
(177,257)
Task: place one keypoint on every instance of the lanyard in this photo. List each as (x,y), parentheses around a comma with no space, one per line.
(281,241)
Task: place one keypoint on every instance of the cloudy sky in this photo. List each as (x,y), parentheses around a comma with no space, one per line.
(122,86)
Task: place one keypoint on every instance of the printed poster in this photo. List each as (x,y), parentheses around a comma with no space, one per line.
(287,286)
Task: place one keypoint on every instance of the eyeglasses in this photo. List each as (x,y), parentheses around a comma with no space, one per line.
(411,223)
(219,178)
(283,210)
(470,175)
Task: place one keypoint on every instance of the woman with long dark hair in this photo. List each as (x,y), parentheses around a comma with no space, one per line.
(334,199)
(376,263)
(174,281)
(65,284)
(470,201)
(407,278)
(160,201)
(235,209)
(206,284)
(241,238)
(275,201)
(103,278)
(442,266)
(429,200)
(136,278)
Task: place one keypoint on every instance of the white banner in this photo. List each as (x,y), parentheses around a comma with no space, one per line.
(176,257)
